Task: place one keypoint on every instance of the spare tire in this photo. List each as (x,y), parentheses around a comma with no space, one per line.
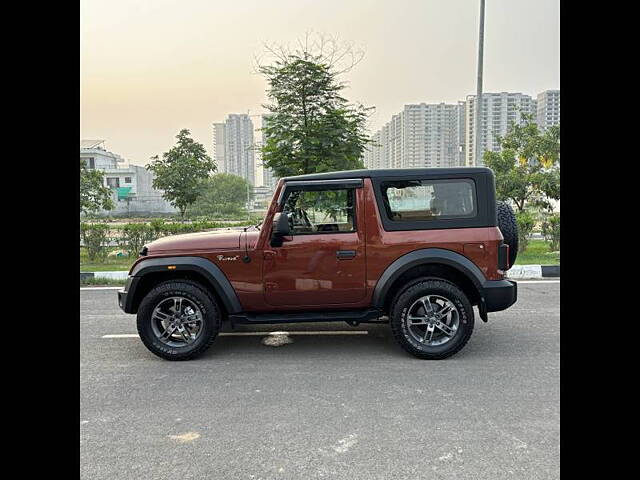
(509,228)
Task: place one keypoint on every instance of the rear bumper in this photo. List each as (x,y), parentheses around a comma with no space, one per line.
(499,294)
(125,299)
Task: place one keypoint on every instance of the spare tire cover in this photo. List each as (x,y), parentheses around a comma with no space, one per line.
(509,228)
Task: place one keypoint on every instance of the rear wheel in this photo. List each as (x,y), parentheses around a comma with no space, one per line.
(432,319)
(178,320)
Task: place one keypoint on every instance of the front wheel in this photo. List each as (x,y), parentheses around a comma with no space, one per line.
(432,319)
(178,320)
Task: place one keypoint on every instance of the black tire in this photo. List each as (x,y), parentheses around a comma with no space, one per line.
(509,228)
(413,293)
(193,292)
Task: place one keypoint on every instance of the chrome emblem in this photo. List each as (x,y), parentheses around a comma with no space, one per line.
(222,258)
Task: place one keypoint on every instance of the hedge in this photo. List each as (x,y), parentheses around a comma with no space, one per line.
(131,237)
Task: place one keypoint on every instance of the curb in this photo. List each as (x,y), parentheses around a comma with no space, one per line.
(534,271)
(119,275)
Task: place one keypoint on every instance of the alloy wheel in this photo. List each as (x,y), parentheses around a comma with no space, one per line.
(177,321)
(432,320)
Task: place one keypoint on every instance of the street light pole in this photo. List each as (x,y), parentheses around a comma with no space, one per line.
(478,134)
(246,153)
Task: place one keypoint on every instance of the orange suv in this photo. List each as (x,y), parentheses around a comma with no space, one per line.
(417,248)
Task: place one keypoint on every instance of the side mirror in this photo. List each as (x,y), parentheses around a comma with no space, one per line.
(280,228)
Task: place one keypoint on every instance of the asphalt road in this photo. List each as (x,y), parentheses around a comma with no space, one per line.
(340,407)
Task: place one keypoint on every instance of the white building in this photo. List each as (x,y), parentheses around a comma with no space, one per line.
(218,145)
(548,105)
(95,156)
(131,185)
(443,135)
(461,128)
(233,146)
(422,135)
(269,180)
(499,111)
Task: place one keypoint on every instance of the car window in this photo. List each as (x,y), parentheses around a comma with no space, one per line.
(321,211)
(420,200)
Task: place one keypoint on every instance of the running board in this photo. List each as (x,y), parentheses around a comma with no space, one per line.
(351,316)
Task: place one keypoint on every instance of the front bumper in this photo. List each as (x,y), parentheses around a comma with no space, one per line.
(499,295)
(125,301)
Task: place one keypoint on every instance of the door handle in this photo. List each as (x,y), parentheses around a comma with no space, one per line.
(345,254)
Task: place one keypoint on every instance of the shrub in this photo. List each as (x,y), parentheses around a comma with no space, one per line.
(551,231)
(157,226)
(134,236)
(526,221)
(95,237)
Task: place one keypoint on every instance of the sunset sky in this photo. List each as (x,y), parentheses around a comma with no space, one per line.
(152,67)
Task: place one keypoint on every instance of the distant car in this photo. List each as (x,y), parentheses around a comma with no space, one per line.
(419,246)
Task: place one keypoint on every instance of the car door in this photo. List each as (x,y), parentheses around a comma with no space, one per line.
(322,262)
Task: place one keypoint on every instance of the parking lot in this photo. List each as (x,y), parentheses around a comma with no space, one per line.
(341,406)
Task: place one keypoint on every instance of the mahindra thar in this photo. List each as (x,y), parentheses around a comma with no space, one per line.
(417,248)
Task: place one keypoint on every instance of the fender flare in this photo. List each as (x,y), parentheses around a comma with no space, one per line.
(209,270)
(422,257)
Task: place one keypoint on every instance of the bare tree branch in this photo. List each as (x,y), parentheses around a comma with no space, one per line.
(339,55)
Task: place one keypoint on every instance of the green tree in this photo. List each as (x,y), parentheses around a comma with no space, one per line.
(223,194)
(527,170)
(94,195)
(180,170)
(311,127)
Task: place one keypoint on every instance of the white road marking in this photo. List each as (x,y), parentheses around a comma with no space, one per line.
(537,281)
(258,334)
(102,288)
(185,437)
(319,332)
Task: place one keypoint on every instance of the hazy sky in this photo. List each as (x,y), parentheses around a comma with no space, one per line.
(152,67)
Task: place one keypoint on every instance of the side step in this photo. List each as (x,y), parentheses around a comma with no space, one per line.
(351,316)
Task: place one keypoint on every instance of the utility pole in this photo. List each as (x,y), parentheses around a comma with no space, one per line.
(478,135)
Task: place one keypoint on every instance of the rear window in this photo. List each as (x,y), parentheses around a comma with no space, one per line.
(420,200)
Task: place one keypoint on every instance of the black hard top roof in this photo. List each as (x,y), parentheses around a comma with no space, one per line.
(390,172)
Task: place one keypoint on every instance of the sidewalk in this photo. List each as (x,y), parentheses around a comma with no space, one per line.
(533,271)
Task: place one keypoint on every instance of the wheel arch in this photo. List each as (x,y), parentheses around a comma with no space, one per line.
(428,262)
(149,272)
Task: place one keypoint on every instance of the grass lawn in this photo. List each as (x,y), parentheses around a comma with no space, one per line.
(109,263)
(538,253)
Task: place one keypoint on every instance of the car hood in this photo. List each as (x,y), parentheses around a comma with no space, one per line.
(229,240)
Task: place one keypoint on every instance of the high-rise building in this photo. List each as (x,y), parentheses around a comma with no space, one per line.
(218,146)
(461,128)
(499,112)
(268,178)
(548,106)
(422,135)
(234,147)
